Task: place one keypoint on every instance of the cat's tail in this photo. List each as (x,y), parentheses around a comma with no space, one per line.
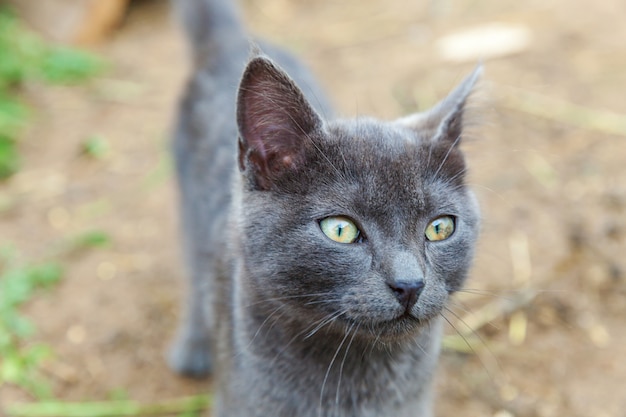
(213,27)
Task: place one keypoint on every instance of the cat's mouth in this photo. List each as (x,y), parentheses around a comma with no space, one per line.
(407,319)
(388,320)
(405,325)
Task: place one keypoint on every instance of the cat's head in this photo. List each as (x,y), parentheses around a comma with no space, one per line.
(356,224)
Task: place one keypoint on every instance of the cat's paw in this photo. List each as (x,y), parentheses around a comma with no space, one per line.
(190,356)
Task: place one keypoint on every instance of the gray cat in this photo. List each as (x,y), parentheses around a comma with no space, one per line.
(321,252)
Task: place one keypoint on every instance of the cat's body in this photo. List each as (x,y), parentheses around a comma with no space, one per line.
(293,319)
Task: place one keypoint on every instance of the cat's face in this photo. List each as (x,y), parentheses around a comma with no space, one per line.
(364,225)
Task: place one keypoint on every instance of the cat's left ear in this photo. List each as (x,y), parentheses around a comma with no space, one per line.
(444,122)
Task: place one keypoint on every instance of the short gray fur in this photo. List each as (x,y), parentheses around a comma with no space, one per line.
(290,322)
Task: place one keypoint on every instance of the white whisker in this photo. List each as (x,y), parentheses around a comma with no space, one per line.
(469,345)
(330,318)
(343,362)
(445,158)
(320,323)
(332,361)
(288,297)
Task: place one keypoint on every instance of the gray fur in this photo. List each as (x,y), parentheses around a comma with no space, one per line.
(291,322)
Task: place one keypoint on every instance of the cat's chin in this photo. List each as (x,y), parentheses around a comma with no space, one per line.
(405,327)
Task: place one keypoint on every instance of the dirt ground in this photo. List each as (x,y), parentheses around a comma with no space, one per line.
(553,195)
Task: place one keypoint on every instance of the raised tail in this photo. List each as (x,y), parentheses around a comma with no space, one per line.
(212,26)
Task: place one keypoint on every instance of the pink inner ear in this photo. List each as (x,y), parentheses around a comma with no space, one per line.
(274,120)
(274,149)
(288,162)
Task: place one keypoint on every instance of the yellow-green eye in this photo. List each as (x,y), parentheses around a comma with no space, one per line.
(340,229)
(440,229)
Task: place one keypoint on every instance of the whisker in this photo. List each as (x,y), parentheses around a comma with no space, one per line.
(466,310)
(265,321)
(304,133)
(445,158)
(485,293)
(261,326)
(329,319)
(380,332)
(430,152)
(420,347)
(343,362)
(332,361)
(451,180)
(329,301)
(288,297)
(320,323)
(511,295)
(498,194)
(469,345)
(475,333)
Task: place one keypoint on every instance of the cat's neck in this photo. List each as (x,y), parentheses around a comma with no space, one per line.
(357,375)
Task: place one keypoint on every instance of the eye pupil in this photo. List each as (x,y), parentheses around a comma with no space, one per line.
(440,229)
(340,229)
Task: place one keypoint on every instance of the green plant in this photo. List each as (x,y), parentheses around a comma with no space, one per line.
(26,58)
(19,361)
(183,407)
(9,157)
(95,146)
(20,279)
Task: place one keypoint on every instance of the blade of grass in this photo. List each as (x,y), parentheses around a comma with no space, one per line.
(110,408)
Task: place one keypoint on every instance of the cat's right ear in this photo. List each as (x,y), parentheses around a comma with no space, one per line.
(275,122)
(445,121)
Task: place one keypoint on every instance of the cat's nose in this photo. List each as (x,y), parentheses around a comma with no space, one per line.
(407,292)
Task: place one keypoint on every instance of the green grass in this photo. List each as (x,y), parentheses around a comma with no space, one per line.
(96,146)
(19,360)
(25,58)
(21,280)
(184,407)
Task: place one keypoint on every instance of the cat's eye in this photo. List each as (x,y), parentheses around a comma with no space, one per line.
(440,229)
(340,229)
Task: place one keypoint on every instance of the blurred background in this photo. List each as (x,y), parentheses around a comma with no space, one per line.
(88,204)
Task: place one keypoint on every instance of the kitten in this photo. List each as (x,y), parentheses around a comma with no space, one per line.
(321,252)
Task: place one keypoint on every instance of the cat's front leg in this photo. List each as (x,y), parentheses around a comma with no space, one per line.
(190,353)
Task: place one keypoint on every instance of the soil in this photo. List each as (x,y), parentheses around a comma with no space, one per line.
(553,196)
